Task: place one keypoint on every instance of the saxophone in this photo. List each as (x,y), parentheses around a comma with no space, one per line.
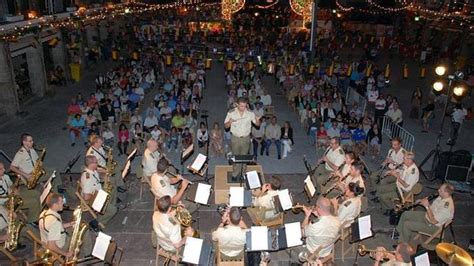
(14,225)
(38,171)
(76,238)
(110,167)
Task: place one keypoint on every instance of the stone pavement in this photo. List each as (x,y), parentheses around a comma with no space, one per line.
(132,226)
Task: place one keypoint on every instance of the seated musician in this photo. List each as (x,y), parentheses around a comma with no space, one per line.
(3,224)
(322,233)
(332,159)
(339,176)
(394,158)
(436,214)
(231,234)
(349,209)
(167,229)
(91,184)
(400,257)
(263,206)
(150,158)
(5,185)
(406,179)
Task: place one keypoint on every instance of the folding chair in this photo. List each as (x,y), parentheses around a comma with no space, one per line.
(85,205)
(220,261)
(167,255)
(346,234)
(409,197)
(327,260)
(438,234)
(40,253)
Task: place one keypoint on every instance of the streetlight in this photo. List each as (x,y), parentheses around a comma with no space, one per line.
(440,70)
(438,86)
(459,91)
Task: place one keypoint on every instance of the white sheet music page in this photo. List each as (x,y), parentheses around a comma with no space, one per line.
(45,192)
(310,186)
(101,245)
(99,200)
(199,162)
(236,197)
(192,250)
(365,227)
(259,238)
(187,151)
(125,169)
(422,260)
(203,192)
(130,156)
(285,199)
(253,179)
(293,234)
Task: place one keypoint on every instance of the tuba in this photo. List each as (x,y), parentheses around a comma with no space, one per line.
(14,225)
(185,219)
(38,170)
(77,235)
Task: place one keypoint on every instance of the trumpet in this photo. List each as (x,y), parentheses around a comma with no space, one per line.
(299,207)
(362,250)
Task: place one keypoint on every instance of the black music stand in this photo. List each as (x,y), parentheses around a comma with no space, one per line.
(185,154)
(361,229)
(200,168)
(240,160)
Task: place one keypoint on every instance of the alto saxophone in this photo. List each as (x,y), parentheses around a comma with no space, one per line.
(38,171)
(77,236)
(111,164)
(14,225)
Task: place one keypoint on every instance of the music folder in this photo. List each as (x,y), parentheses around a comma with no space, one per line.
(239,197)
(99,200)
(421,259)
(186,153)
(282,201)
(199,193)
(253,180)
(199,164)
(361,228)
(196,251)
(309,187)
(254,239)
(128,163)
(101,246)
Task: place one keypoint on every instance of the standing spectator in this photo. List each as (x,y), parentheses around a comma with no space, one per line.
(173,139)
(374,139)
(273,135)
(108,136)
(202,136)
(395,114)
(217,140)
(77,127)
(380,109)
(287,138)
(416,99)
(123,137)
(457,117)
(427,115)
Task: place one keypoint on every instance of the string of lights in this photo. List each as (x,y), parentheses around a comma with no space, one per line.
(267,6)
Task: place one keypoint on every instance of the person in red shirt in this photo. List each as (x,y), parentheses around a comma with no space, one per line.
(123,137)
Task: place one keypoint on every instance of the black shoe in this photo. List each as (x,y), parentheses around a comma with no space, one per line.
(121,189)
(94,225)
(72,144)
(20,246)
(387,212)
(279,157)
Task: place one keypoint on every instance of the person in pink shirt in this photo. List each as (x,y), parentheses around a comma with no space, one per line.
(123,137)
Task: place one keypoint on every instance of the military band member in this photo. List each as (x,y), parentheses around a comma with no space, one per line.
(406,179)
(230,234)
(167,229)
(23,164)
(162,184)
(150,158)
(354,176)
(339,176)
(349,209)
(400,257)
(263,207)
(5,185)
(322,233)
(91,184)
(3,224)
(393,160)
(436,214)
(332,159)
(239,120)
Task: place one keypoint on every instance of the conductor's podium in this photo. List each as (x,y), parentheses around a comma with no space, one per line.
(221,186)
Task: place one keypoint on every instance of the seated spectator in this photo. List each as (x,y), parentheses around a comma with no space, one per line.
(374,138)
(359,137)
(136,118)
(173,139)
(352,121)
(216,144)
(178,121)
(202,136)
(266,99)
(138,136)
(156,133)
(333,131)
(346,137)
(77,127)
(123,138)
(322,137)
(166,110)
(186,138)
(150,121)
(93,130)
(286,138)
(313,123)
(273,135)
(108,136)
(73,108)
(90,118)
(258,137)
(164,124)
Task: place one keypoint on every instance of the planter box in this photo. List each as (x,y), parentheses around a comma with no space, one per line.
(10,18)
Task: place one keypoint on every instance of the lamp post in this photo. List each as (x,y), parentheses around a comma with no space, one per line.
(314,28)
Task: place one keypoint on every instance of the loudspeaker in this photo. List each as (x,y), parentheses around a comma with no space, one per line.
(459,161)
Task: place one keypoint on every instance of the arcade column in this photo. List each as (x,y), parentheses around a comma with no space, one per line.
(36,68)
(8,89)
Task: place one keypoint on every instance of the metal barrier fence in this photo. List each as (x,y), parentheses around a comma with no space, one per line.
(392,130)
(352,96)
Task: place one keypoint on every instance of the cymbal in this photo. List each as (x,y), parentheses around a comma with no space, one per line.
(453,255)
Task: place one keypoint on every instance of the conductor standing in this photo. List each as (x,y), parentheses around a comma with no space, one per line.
(240,120)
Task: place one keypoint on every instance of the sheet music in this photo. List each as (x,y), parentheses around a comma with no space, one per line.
(45,192)
(132,155)
(293,234)
(203,192)
(99,200)
(101,245)
(422,260)
(285,200)
(236,197)
(259,236)
(253,179)
(187,152)
(199,162)
(53,176)
(365,227)
(192,250)
(310,186)
(125,169)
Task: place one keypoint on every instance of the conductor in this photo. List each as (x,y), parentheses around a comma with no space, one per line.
(240,120)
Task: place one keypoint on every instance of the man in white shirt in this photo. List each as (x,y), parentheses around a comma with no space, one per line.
(395,114)
(332,159)
(273,135)
(393,160)
(266,98)
(5,185)
(230,235)
(151,155)
(263,206)
(333,131)
(150,121)
(457,117)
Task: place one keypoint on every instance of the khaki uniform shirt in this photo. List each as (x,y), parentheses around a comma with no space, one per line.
(443,210)
(395,263)
(411,176)
(266,201)
(349,210)
(231,239)
(51,228)
(334,156)
(355,179)
(167,229)
(99,154)
(243,123)
(322,233)
(90,182)
(3,218)
(150,162)
(5,187)
(397,157)
(161,186)
(25,160)
(345,169)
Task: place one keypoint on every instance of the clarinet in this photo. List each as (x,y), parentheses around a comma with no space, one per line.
(331,178)
(411,206)
(309,169)
(382,168)
(381,177)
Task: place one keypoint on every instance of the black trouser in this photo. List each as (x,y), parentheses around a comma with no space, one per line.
(255,142)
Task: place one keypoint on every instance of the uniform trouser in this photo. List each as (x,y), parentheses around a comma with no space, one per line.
(109,213)
(385,184)
(386,194)
(374,176)
(31,202)
(411,222)
(86,245)
(322,175)
(240,146)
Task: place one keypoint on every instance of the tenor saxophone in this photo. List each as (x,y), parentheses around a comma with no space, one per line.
(77,236)
(14,225)
(38,170)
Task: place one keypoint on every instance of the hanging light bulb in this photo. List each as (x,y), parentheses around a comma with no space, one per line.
(438,86)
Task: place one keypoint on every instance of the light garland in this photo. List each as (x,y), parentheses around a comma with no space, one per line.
(268,6)
(303,8)
(230,7)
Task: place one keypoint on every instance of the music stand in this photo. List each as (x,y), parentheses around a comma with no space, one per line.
(240,159)
(200,167)
(282,201)
(185,154)
(361,230)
